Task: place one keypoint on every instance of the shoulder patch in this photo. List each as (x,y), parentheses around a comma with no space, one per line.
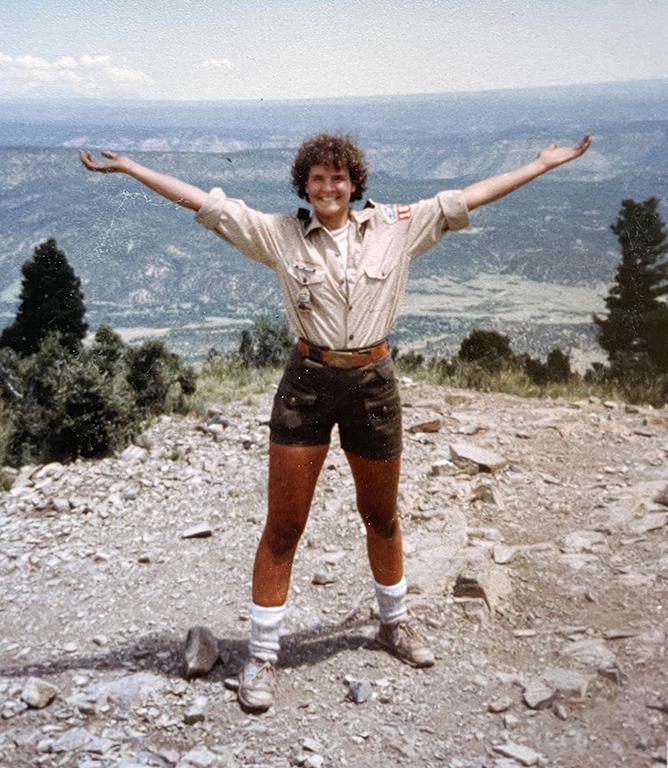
(394,213)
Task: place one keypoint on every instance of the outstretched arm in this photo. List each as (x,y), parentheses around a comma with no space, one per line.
(173,189)
(483,192)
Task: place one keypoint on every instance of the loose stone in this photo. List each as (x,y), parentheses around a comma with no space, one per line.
(201,651)
(38,693)
(199,531)
(426,426)
(359,690)
(466,453)
(538,695)
(321,577)
(500,705)
(518,752)
(197,712)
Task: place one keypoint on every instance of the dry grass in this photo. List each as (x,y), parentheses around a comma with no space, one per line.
(224,381)
(511,381)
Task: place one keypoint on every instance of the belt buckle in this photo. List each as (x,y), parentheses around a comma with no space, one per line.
(338,359)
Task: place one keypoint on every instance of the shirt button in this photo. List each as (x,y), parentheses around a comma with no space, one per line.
(341,282)
(352,336)
(350,309)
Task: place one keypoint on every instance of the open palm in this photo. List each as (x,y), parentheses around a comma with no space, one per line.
(554,155)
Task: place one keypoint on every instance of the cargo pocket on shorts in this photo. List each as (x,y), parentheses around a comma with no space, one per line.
(293,410)
(383,407)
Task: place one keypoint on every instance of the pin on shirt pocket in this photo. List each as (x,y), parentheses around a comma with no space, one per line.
(304,300)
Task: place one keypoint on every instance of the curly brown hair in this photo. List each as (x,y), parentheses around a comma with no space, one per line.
(332,149)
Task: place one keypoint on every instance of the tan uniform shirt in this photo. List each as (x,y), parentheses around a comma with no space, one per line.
(330,306)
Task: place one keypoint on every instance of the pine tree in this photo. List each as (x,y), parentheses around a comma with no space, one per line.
(50,300)
(637,321)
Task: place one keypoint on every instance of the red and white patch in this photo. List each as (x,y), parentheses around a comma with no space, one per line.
(394,213)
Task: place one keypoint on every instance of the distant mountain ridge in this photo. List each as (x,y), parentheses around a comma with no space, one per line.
(146,266)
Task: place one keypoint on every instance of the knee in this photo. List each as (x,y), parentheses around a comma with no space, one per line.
(384,526)
(282,537)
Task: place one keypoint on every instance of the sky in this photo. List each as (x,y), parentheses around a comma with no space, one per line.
(306,49)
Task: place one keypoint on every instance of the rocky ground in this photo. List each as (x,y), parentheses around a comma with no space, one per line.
(542,585)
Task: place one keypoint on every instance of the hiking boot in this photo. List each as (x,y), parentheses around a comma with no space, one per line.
(257,680)
(405,643)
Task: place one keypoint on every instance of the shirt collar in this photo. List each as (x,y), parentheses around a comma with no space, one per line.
(356,218)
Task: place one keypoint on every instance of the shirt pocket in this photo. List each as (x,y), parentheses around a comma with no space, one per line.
(381,270)
(306,282)
(307,275)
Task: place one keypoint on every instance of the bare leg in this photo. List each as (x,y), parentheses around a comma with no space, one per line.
(377,484)
(293,473)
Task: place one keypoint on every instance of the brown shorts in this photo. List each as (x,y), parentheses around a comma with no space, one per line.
(364,402)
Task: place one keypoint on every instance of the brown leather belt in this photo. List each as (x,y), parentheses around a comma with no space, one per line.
(342,358)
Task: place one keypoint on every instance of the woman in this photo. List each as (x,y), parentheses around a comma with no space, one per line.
(342,273)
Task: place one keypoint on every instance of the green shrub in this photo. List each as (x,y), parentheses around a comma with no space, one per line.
(107,352)
(536,371)
(67,409)
(558,367)
(268,342)
(489,349)
(408,363)
(159,379)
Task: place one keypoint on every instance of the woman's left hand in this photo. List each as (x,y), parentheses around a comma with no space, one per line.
(553,155)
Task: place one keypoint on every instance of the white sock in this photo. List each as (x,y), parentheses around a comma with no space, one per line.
(392,602)
(265,627)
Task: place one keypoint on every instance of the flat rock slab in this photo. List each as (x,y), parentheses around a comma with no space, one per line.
(650,522)
(581,541)
(201,651)
(134,453)
(539,695)
(131,690)
(503,554)
(198,531)
(197,712)
(520,753)
(72,740)
(426,426)
(444,468)
(619,634)
(466,453)
(432,570)
(612,519)
(590,654)
(200,757)
(489,582)
(566,681)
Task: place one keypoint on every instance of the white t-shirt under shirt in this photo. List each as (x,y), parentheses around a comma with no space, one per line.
(341,239)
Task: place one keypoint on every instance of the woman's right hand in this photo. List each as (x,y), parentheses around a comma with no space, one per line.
(116,164)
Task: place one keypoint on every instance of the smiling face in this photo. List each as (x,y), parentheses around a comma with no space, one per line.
(329,191)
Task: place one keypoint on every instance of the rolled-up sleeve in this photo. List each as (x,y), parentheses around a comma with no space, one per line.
(428,220)
(453,205)
(252,233)
(210,213)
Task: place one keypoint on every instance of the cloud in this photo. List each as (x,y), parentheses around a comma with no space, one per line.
(83,76)
(222,65)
